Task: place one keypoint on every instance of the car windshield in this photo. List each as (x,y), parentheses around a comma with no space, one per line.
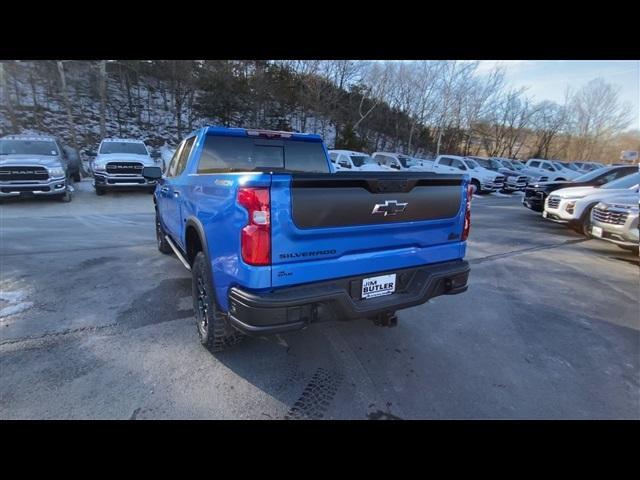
(28,147)
(406,161)
(517,166)
(471,163)
(360,160)
(508,164)
(559,166)
(134,148)
(624,182)
(484,162)
(571,166)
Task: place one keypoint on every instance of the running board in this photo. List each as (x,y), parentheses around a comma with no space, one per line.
(178,253)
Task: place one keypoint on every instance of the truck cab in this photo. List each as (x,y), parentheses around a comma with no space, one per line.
(548,170)
(400,162)
(275,241)
(355,161)
(119,163)
(482,179)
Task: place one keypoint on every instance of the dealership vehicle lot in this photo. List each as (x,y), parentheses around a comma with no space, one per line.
(97,323)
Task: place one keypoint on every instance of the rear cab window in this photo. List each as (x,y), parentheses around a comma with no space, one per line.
(222,154)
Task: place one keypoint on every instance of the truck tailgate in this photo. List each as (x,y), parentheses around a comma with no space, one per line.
(338,225)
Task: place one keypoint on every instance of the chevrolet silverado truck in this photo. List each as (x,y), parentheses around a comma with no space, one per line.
(536,193)
(275,241)
(35,165)
(119,163)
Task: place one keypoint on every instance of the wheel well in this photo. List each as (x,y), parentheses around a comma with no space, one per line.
(193,243)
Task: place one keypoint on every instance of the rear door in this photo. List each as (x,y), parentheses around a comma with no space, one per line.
(363,222)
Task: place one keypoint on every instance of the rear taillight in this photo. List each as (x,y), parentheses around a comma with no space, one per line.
(467,214)
(255,238)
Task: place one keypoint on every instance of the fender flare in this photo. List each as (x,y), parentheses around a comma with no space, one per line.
(193,221)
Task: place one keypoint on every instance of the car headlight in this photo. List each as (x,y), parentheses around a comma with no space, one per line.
(56,172)
(100,167)
(570,207)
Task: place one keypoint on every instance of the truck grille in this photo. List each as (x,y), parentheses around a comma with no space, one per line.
(543,179)
(499,180)
(554,202)
(608,216)
(19,174)
(128,168)
(521,180)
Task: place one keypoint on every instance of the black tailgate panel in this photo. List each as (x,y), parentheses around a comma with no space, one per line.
(350,198)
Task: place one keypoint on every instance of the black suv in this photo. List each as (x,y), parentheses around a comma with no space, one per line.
(536,193)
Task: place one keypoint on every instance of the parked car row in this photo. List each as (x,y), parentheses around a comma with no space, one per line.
(40,165)
(602,203)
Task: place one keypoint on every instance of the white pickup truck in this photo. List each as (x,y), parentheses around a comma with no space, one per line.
(402,162)
(355,162)
(482,179)
(548,170)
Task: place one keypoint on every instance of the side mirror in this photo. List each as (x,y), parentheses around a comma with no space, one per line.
(90,153)
(152,173)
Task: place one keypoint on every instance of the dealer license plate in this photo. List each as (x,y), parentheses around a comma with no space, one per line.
(378,286)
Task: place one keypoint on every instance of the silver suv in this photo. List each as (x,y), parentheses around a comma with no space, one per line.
(616,220)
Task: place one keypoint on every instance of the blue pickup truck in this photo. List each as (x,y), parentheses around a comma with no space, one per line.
(275,241)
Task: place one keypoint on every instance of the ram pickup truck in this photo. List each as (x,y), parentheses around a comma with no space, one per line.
(355,161)
(274,241)
(482,180)
(548,170)
(514,181)
(36,165)
(401,162)
(119,163)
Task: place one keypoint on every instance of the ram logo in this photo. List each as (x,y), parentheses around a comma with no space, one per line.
(389,207)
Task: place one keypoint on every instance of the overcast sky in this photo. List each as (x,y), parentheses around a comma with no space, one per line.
(548,79)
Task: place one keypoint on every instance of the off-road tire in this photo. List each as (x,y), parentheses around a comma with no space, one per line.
(100,191)
(163,245)
(77,177)
(476,186)
(215,332)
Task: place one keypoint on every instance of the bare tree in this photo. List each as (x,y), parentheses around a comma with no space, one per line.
(67,102)
(597,114)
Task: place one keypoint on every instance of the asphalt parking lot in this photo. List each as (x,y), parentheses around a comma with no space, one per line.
(96,323)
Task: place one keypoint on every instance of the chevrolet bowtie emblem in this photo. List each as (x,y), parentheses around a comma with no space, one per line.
(389,207)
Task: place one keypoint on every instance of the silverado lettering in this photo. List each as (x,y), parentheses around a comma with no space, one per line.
(307,254)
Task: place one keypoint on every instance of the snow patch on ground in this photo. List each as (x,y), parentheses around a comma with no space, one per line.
(12,297)
(498,194)
(11,302)
(15,308)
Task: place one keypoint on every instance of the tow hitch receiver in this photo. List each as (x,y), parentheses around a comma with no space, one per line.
(386,320)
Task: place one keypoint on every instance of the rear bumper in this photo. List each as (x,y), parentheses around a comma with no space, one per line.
(56,186)
(292,308)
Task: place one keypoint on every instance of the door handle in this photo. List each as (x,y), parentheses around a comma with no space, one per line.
(164,189)
(176,193)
